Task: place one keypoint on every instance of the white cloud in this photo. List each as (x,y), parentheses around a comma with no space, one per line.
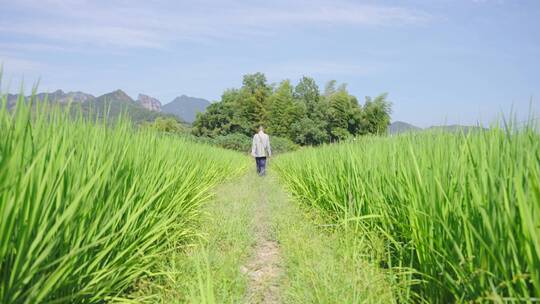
(13,64)
(96,35)
(29,46)
(156,24)
(15,70)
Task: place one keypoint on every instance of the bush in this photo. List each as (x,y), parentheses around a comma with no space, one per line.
(235,141)
(167,125)
(242,143)
(282,145)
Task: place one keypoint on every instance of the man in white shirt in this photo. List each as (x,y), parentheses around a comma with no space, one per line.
(260,149)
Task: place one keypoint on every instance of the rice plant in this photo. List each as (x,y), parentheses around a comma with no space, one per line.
(463,210)
(86,206)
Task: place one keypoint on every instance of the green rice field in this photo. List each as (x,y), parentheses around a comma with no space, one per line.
(461,212)
(86,207)
(93,211)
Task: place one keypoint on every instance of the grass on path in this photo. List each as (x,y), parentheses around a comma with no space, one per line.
(316,265)
(321,265)
(209,272)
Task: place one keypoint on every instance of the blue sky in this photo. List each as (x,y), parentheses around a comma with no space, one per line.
(453,61)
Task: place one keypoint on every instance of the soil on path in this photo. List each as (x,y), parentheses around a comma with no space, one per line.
(264,267)
(260,247)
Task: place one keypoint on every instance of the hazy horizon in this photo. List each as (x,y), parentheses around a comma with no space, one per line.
(453,62)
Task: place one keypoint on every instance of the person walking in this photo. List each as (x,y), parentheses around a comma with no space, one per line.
(260,149)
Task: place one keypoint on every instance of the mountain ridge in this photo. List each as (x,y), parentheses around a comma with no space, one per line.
(400,127)
(183,107)
(186,107)
(109,105)
(149,102)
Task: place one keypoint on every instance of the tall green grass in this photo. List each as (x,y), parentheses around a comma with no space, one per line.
(463,211)
(86,207)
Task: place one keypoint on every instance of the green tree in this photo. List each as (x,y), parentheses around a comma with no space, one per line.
(376,114)
(283,110)
(220,118)
(253,102)
(307,132)
(330,88)
(344,114)
(298,113)
(307,91)
(169,125)
(308,96)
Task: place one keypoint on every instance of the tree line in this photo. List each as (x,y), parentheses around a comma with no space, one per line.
(299,113)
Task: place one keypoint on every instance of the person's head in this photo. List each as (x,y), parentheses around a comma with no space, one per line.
(261,129)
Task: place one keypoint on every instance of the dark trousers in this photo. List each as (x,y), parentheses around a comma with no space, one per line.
(261,165)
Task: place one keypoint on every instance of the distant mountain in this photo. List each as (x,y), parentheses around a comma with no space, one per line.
(11,99)
(111,104)
(60,96)
(118,96)
(114,103)
(457,128)
(149,103)
(185,107)
(144,108)
(399,127)
(56,96)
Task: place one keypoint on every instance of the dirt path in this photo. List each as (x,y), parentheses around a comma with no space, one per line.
(258,246)
(264,266)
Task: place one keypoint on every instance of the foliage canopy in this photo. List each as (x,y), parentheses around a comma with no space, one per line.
(299,113)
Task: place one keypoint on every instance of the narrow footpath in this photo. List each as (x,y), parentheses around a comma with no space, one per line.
(259,246)
(264,266)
